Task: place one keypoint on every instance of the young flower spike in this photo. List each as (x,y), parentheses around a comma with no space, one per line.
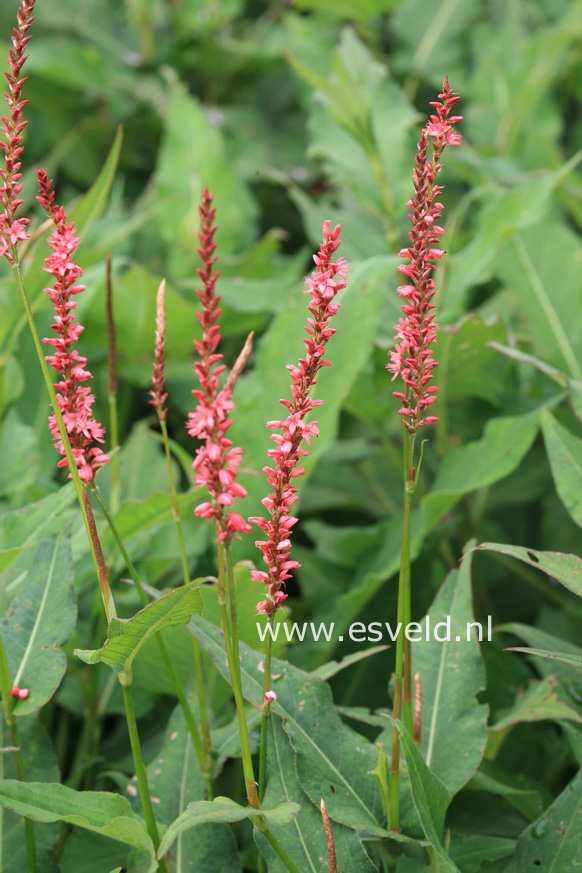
(216,462)
(75,399)
(327,279)
(412,357)
(157,393)
(12,230)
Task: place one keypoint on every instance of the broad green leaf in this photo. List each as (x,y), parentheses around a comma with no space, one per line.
(175,781)
(39,620)
(469,851)
(20,467)
(568,675)
(538,703)
(98,811)
(523,794)
(86,852)
(40,764)
(554,842)
(29,525)
(331,760)
(332,668)
(303,839)
(563,657)
(451,676)
(567,569)
(565,456)
(223,810)
(529,264)
(524,358)
(125,637)
(468,365)
(93,203)
(504,444)
(136,516)
(430,799)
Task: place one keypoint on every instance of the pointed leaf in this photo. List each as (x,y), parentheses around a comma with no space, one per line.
(39,620)
(563,657)
(125,637)
(225,810)
(567,569)
(93,203)
(565,456)
(538,703)
(99,811)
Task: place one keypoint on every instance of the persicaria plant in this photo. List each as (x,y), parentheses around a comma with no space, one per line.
(188,573)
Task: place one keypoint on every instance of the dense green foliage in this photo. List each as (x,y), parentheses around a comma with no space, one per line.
(293,113)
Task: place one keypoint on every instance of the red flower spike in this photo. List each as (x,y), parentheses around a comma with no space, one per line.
(327,279)
(13,230)
(412,357)
(75,399)
(158,396)
(216,462)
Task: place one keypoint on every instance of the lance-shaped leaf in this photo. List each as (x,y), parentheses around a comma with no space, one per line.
(563,657)
(99,811)
(175,781)
(554,842)
(538,703)
(565,456)
(332,761)
(125,637)
(430,799)
(304,839)
(567,569)
(39,620)
(225,810)
(451,676)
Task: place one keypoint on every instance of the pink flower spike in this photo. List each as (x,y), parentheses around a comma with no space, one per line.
(412,356)
(323,285)
(216,462)
(73,395)
(11,230)
(158,396)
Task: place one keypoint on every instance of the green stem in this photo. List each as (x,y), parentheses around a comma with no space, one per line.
(6,687)
(266,714)
(79,488)
(140,772)
(204,762)
(281,853)
(198,668)
(114,439)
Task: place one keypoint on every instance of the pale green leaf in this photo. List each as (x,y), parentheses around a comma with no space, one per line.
(567,569)
(538,703)
(565,456)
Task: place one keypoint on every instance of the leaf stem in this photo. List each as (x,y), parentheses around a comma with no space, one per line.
(204,762)
(140,772)
(266,714)
(100,565)
(6,688)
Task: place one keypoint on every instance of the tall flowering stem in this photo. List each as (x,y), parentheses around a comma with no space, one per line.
(412,359)
(202,744)
(328,278)
(112,386)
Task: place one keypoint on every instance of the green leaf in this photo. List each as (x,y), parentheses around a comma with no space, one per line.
(563,657)
(40,764)
(98,811)
(332,668)
(136,516)
(22,528)
(331,760)
(451,675)
(468,852)
(175,780)
(523,794)
(567,569)
(565,456)
(468,363)
(554,842)
(125,637)
(504,444)
(538,703)
(303,839)
(430,799)
(86,852)
(39,620)
(225,810)
(93,203)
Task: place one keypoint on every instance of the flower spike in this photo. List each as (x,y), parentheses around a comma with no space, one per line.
(12,230)
(75,399)
(412,357)
(326,281)
(216,462)
(157,393)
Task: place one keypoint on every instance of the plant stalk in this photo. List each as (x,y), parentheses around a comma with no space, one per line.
(140,772)
(112,386)
(100,565)
(204,762)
